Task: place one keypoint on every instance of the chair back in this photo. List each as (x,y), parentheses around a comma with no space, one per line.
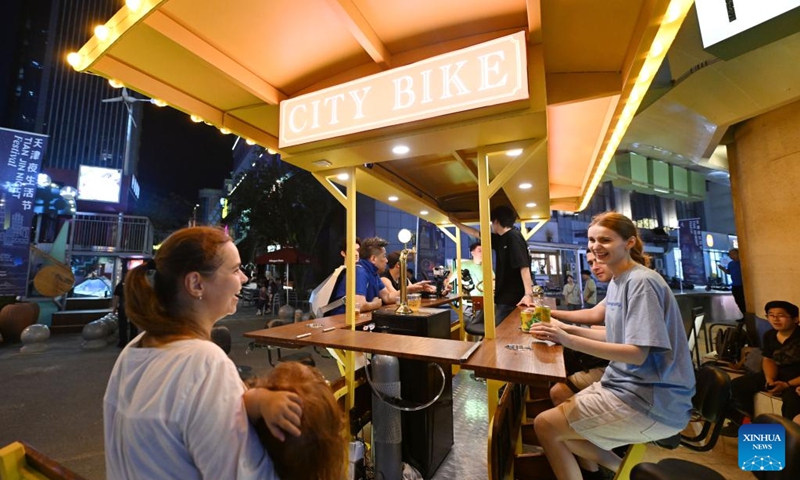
(693,327)
(792,469)
(709,405)
(751,328)
(713,393)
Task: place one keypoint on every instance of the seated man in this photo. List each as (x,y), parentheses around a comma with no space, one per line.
(371,293)
(319,452)
(391,278)
(780,374)
(582,369)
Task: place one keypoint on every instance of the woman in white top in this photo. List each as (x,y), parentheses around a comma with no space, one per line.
(175,407)
(646,391)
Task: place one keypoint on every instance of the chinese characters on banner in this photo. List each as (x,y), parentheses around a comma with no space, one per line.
(691,239)
(20,159)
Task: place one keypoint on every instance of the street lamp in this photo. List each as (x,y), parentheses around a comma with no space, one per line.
(194,215)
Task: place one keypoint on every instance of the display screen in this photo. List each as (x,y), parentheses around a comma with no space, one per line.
(99,184)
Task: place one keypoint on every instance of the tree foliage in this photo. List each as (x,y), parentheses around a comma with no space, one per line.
(167,213)
(276,203)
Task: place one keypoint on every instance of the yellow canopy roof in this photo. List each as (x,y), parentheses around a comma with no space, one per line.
(232,63)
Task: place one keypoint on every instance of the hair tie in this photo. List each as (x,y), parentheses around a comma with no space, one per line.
(150,265)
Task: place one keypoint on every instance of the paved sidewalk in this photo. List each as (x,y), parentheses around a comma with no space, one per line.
(54,400)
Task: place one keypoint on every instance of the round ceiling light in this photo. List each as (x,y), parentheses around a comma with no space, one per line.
(400,150)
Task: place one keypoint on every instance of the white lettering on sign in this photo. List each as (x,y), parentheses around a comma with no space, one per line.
(487,74)
(722,19)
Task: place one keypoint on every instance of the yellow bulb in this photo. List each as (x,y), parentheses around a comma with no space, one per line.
(250,142)
(646,73)
(657,49)
(102,32)
(133,5)
(74,59)
(196,119)
(224,131)
(115,83)
(159,103)
(673,12)
(271,151)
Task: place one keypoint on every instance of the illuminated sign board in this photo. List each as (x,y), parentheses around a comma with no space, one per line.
(99,184)
(721,20)
(487,74)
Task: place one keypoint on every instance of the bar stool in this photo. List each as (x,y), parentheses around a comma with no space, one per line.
(673,469)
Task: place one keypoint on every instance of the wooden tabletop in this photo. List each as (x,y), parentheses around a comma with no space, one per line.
(489,358)
(437,350)
(435,302)
(495,360)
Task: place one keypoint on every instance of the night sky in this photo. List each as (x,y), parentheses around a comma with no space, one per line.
(177,155)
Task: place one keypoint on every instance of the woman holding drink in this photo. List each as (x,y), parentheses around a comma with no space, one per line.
(646,391)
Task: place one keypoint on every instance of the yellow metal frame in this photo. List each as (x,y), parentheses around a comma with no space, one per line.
(348,200)
(14,466)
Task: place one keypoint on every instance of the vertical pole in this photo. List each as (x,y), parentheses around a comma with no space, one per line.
(350,285)
(126,162)
(460,283)
(484,207)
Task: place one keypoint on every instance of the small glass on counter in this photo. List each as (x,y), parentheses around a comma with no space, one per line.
(414,301)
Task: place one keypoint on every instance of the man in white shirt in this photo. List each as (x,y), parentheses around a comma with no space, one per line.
(589,289)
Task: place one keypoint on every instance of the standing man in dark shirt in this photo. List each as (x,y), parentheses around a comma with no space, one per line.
(513,284)
(734,269)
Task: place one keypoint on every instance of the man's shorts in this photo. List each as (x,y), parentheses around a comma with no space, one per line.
(600,417)
(581,380)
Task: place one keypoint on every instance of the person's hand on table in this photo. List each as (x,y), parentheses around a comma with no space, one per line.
(428,288)
(421,286)
(526,301)
(550,332)
(448,287)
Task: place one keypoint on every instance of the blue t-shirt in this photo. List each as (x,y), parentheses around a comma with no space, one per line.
(368,284)
(735,271)
(641,310)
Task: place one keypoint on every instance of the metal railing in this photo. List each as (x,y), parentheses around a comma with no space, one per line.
(97,232)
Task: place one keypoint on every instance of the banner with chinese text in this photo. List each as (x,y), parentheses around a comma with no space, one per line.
(691,240)
(20,160)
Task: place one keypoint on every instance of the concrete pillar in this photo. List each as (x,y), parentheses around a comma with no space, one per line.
(765,176)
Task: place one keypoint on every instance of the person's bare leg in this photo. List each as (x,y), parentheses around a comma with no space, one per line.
(561,443)
(594,454)
(560,393)
(551,427)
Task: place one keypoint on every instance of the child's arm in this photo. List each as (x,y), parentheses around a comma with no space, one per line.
(281,411)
